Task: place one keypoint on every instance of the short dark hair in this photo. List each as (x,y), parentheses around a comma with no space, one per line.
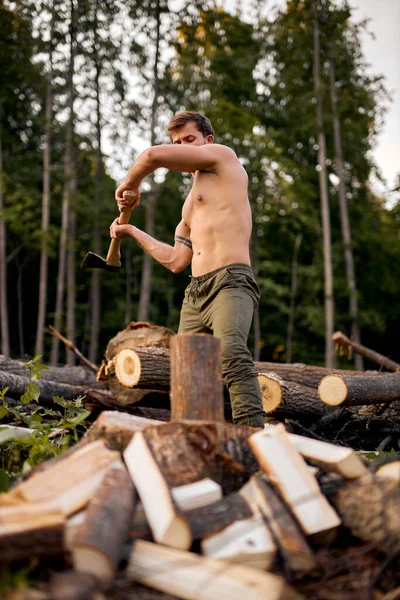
(203,124)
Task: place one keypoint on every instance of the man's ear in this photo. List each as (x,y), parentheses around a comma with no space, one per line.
(210,139)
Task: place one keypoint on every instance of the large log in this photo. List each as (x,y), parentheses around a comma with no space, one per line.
(75,376)
(139,334)
(196,378)
(351,390)
(286,399)
(191,450)
(97,545)
(17,386)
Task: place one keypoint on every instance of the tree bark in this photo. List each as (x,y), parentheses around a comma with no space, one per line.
(344,220)
(117,428)
(214,517)
(285,399)
(145,368)
(139,335)
(17,385)
(196,378)
(45,197)
(5,337)
(293,292)
(323,184)
(348,390)
(74,376)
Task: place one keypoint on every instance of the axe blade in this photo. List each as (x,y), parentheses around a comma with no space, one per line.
(94,261)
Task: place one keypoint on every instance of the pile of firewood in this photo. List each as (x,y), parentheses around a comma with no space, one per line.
(202,510)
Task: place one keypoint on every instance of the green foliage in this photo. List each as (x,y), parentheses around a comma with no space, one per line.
(54,430)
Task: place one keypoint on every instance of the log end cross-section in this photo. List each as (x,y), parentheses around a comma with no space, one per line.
(127,367)
(332,390)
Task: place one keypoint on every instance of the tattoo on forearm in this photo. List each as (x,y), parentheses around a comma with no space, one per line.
(182,240)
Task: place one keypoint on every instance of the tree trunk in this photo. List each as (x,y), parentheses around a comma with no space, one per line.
(20,296)
(5,338)
(71,277)
(96,273)
(45,199)
(145,286)
(351,390)
(71,375)
(345,222)
(293,292)
(323,184)
(145,368)
(69,189)
(17,386)
(196,378)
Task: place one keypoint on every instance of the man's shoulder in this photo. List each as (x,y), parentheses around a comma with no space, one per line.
(223,150)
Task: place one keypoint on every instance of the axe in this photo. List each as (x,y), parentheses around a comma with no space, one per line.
(112,261)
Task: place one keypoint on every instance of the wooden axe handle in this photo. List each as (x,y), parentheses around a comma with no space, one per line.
(114,254)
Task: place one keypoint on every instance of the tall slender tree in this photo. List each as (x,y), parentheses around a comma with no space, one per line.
(5,339)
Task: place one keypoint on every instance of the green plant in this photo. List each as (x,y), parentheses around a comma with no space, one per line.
(51,431)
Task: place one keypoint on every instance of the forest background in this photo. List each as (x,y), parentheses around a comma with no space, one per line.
(286,87)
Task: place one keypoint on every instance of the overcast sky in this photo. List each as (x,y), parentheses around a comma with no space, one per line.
(383,55)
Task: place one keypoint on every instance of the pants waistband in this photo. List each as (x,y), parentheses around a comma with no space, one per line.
(235,266)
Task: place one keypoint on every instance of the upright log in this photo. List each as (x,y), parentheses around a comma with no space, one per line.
(196,378)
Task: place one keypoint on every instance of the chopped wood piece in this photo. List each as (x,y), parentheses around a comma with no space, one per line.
(71,481)
(329,456)
(214,517)
(288,471)
(341,340)
(293,547)
(248,542)
(191,450)
(28,530)
(370,508)
(10,432)
(187,497)
(352,390)
(390,470)
(97,545)
(289,400)
(196,378)
(192,577)
(167,525)
(117,428)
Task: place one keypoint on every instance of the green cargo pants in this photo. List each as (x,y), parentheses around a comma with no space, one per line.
(222,302)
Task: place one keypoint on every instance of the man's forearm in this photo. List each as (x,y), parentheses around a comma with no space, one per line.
(141,168)
(162,253)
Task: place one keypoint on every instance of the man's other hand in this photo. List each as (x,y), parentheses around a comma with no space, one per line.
(126,197)
(120,231)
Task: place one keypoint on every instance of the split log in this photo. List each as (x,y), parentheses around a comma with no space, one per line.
(191,450)
(75,376)
(294,549)
(370,508)
(214,517)
(348,390)
(166,523)
(390,470)
(117,428)
(288,471)
(344,342)
(199,578)
(247,542)
(71,481)
(28,530)
(196,378)
(285,399)
(329,457)
(98,542)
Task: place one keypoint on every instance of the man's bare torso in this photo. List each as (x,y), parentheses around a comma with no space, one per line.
(217,215)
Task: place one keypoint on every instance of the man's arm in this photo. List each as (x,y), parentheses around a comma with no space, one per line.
(178,157)
(175,258)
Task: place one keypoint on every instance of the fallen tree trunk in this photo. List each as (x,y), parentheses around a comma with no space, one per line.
(79,376)
(341,340)
(17,386)
(349,390)
(286,399)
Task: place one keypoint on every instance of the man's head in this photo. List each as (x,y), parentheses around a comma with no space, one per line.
(190,127)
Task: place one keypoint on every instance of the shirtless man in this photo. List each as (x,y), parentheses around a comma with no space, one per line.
(213,236)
